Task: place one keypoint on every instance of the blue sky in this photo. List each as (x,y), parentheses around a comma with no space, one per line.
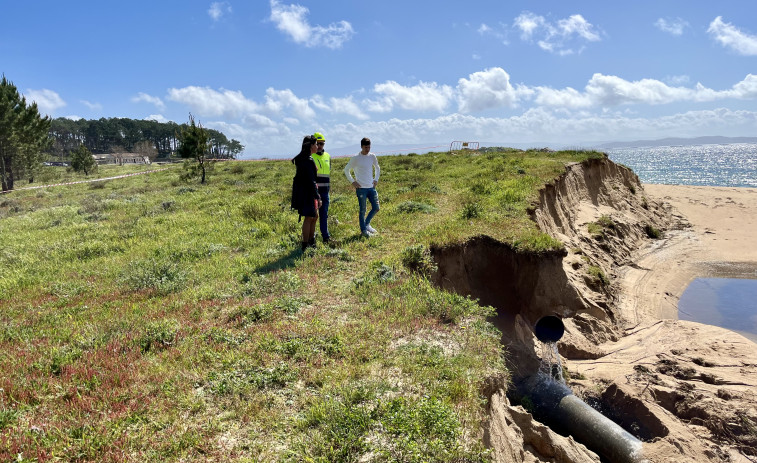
(268,72)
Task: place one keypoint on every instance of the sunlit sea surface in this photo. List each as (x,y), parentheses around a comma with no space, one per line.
(706,165)
(728,303)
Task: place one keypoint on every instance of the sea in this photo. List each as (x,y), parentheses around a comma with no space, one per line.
(726,302)
(705,165)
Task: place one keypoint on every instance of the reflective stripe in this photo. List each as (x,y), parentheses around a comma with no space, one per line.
(322,184)
(324,175)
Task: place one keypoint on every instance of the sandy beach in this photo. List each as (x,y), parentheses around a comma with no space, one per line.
(696,381)
(715,238)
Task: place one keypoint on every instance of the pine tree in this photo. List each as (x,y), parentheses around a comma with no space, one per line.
(82,160)
(23,135)
(194,146)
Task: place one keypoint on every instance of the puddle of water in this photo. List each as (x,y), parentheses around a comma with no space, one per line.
(726,302)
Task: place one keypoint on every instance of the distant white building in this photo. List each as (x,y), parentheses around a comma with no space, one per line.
(121,158)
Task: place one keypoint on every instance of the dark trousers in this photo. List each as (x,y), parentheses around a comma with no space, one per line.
(323,212)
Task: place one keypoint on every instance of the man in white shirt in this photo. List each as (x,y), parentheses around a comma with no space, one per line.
(366,169)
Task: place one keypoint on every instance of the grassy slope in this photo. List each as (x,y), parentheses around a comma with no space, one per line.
(149,319)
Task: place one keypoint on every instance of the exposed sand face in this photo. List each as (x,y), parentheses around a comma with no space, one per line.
(693,383)
(688,390)
(718,238)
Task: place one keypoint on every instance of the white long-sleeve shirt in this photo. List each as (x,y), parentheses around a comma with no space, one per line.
(363,165)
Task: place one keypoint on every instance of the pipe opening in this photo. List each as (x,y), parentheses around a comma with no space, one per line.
(549,329)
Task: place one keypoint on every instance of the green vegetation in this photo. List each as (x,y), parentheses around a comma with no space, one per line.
(151,319)
(599,229)
(652,232)
(195,147)
(82,160)
(597,276)
(119,134)
(23,136)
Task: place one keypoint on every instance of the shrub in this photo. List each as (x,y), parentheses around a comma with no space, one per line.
(471,210)
(247,315)
(158,335)
(8,417)
(418,259)
(241,378)
(257,209)
(409,207)
(159,275)
(597,276)
(652,232)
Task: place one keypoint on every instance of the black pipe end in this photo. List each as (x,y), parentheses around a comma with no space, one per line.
(549,329)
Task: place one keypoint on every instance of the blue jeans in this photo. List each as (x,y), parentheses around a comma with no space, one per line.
(323,212)
(371,195)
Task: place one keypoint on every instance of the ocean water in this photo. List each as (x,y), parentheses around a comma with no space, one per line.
(726,302)
(708,165)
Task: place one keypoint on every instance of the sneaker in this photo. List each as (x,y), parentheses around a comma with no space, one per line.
(365,234)
(370,230)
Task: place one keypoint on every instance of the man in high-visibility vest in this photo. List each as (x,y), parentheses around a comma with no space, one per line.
(323,180)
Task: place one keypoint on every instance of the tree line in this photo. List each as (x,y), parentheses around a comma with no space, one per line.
(111,135)
(27,139)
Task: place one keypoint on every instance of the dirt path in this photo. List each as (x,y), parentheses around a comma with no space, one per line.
(37,187)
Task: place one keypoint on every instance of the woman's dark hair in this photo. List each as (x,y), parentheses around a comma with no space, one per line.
(307,142)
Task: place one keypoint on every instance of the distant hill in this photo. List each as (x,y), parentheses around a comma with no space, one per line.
(713,140)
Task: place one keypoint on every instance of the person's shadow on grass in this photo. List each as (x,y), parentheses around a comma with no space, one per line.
(289,260)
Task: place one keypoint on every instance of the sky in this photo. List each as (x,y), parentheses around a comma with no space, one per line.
(268,72)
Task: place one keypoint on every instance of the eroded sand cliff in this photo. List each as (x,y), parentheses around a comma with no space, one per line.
(685,389)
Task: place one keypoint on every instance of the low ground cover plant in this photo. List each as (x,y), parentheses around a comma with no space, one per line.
(152,319)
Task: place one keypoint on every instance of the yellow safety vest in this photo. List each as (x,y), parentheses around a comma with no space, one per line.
(323,163)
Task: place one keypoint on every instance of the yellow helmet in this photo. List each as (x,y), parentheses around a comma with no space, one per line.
(319,137)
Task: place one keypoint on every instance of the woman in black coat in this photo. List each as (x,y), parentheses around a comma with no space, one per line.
(305,197)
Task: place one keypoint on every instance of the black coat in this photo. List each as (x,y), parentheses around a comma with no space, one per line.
(304,188)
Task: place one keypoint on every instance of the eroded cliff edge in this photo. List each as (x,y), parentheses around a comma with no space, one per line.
(599,211)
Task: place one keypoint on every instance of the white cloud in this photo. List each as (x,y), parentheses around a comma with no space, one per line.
(542,125)
(612,90)
(208,102)
(292,20)
(609,91)
(258,121)
(607,106)
(528,23)
(426,96)
(577,25)
(563,37)
(731,37)
(380,105)
(149,99)
(347,106)
(486,89)
(92,106)
(500,33)
(672,27)
(678,80)
(746,89)
(156,117)
(276,101)
(47,100)
(218,9)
